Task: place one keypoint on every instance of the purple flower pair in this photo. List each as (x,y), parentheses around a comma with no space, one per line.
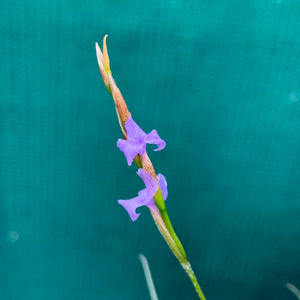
(136,144)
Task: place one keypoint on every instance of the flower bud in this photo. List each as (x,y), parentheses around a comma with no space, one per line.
(104,66)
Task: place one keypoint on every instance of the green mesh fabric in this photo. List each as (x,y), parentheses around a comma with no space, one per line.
(219,80)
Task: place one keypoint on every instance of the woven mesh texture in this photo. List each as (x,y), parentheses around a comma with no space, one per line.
(218,79)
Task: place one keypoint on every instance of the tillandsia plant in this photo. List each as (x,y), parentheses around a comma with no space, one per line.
(134,147)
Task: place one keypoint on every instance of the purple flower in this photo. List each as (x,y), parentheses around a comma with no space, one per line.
(145,196)
(137,140)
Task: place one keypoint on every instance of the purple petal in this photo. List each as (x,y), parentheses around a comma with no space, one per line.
(145,196)
(150,182)
(154,138)
(131,205)
(137,140)
(163,185)
(130,148)
(134,131)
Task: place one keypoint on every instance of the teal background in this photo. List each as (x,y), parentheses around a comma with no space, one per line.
(219,80)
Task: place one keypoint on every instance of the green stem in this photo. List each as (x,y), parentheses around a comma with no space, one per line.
(170,228)
(173,246)
(188,269)
(185,263)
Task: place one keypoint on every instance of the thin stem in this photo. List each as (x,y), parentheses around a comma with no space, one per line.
(148,277)
(170,228)
(293,289)
(188,269)
(173,246)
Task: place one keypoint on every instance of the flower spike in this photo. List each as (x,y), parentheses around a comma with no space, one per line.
(145,196)
(137,140)
(134,148)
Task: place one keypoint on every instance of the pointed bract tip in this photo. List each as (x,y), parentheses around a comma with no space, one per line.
(105,55)
(97,48)
(99,56)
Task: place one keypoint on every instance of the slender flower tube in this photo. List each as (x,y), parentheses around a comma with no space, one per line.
(134,148)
